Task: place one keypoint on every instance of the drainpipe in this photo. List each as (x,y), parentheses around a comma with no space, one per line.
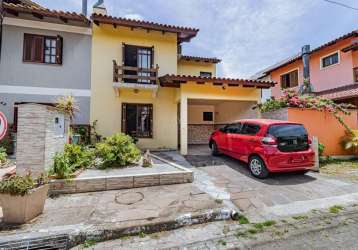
(306,88)
(84,7)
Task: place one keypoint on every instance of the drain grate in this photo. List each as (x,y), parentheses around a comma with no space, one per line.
(58,242)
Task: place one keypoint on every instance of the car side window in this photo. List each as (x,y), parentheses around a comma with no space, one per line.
(233,128)
(250,129)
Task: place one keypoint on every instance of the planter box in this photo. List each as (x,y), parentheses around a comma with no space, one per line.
(19,209)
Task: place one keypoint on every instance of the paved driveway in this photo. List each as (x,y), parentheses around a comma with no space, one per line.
(280,195)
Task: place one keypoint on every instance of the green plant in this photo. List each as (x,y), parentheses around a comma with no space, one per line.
(3,156)
(117,150)
(241,219)
(21,185)
(321,148)
(68,105)
(350,141)
(72,158)
(300,217)
(222,242)
(335,209)
(7,141)
(269,223)
(142,234)
(89,243)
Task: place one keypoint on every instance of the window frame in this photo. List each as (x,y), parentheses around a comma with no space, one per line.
(58,48)
(124,119)
(287,73)
(202,73)
(208,112)
(328,55)
(355,74)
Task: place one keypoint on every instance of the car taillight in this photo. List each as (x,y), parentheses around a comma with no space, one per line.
(269,140)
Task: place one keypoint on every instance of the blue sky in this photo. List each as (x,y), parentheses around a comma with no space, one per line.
(248,35)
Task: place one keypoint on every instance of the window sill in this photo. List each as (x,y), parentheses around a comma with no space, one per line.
(41,63)
(329,66)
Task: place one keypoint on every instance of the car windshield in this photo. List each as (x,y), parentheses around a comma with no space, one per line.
(287,130)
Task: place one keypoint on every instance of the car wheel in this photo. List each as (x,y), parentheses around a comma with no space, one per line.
(214,149)
(258,167)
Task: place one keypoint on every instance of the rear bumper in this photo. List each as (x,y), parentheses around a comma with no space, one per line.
(277,161)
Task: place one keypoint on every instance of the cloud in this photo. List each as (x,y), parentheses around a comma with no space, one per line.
(134,16)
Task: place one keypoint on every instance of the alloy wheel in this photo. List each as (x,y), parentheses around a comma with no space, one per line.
(255,167)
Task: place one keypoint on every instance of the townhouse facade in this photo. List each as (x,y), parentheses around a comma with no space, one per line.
(142,85)
(332,67)
(44,54)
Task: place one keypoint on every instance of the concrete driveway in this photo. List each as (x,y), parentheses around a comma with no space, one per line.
(278,196)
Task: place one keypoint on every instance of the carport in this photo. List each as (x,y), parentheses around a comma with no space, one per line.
(205,116)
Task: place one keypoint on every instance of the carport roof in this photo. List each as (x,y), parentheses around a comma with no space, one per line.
(176,80)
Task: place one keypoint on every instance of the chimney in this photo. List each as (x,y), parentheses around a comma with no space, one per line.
(306,62)
(99,8)
(84,7)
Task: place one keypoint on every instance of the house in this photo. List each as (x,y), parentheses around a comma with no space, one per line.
(332,70)
(44,54)
(142,85)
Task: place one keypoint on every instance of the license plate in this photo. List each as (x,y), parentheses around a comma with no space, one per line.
(298,159)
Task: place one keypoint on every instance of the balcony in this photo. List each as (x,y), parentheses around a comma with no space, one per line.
(129,77)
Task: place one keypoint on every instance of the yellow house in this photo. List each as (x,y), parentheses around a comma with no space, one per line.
(142,85)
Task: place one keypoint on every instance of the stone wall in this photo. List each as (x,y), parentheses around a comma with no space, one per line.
(280,114)
(199,133)
(37,138)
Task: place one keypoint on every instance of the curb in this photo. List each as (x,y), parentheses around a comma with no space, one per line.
(111,232)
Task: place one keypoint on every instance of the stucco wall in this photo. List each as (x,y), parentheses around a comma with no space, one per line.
(228,112)
(72,77)
(194,68)
(195,114)
(322,78)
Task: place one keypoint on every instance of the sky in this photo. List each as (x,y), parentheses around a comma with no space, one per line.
(248,35)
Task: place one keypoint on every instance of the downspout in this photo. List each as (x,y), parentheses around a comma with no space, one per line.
(306,87)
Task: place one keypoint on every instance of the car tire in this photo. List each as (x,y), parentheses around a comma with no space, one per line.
(258,168)
(214,149)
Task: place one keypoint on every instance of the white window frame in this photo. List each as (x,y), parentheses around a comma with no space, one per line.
(327,55)
(289,71)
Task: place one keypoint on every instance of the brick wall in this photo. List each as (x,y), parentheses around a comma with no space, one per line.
(200,133)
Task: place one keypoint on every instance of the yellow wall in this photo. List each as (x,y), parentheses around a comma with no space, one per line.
(195,113)
(229,111)
(106,106)
(194,68)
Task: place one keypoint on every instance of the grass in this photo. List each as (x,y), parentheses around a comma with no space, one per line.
(241,218)
(299,217)
(142,234)
(89,243)
(335,209)
(222,242)
(269,223)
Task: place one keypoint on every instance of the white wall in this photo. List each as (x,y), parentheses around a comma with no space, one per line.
(195,114)
(228,112)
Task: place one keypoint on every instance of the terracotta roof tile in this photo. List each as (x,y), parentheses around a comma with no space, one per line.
(347,91)
(184,33)
(176,80)
(200,59)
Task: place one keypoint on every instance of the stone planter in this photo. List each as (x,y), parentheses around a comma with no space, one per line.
(19,209)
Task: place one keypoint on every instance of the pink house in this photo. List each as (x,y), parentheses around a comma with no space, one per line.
(333,70)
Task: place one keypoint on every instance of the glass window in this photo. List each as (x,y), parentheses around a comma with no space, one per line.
(250,129)
(233,128)
(330,60)
(208,116)
(289,80)
(205,74)
(50,50)
(137,120)
(287,130)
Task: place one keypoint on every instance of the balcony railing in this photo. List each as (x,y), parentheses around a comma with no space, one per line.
(129,74)
(355,74)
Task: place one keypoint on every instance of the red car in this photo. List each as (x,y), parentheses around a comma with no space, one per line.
(266,145)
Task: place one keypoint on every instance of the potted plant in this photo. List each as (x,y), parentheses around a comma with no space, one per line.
(22,198)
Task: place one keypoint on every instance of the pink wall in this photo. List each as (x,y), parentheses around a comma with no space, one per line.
(330,77)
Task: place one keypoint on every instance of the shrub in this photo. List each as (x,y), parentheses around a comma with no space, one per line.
(321,148)
(21,185)
(3,156)
(71,159)
(68,105)
(7,142)
(350,141)
(117,151)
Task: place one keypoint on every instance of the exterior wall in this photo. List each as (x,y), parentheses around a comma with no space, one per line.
(229,112)
(355,58)
(43,82)
(195,114)
(334,76)
(37,141)
(280,114)
(107,45)
(194,68)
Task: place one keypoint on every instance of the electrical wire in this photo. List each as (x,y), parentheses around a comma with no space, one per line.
(341,4)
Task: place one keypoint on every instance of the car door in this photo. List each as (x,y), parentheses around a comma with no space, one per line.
(224,137)
(234,140)
(249,139)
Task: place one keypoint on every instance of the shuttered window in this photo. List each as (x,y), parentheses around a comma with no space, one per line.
(289,80)
(42,49)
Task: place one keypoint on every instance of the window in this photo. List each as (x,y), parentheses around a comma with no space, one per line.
(290,79)
(232,128)
(355,74)
(138,57)
(330,60)
(205,74)
(208,116)
(42,49)
(250,129)
(137,120)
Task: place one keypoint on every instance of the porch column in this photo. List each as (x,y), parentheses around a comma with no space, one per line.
(184,125)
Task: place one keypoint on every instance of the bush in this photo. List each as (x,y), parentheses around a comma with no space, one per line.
(117,151)
(350,142)
(321,148)
(71,159)
(3,156)
(21,185)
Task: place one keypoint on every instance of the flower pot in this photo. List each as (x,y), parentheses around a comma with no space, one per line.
(19,209)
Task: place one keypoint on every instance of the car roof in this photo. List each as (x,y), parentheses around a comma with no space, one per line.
(266,121)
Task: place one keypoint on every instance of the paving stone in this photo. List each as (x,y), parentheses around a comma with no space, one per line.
(121,182)
(147,180)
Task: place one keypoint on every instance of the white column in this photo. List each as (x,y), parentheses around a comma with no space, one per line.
(184,125)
